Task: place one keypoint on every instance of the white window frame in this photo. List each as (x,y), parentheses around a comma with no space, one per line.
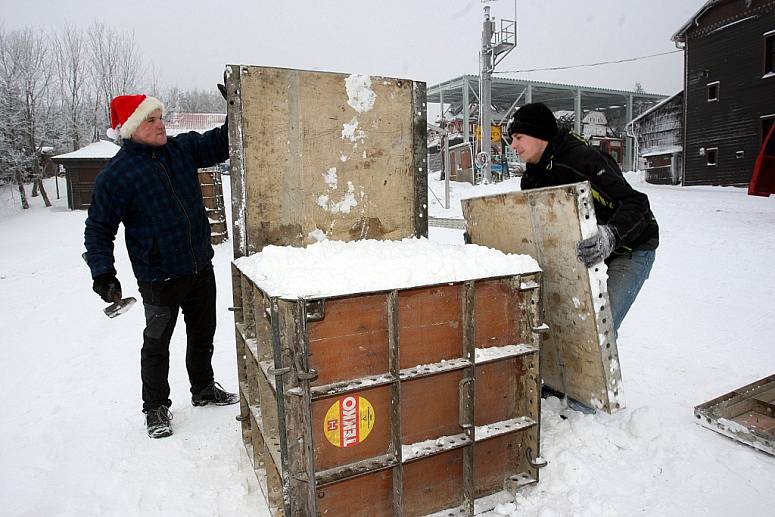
(768,71)
(717,84)
(707,156)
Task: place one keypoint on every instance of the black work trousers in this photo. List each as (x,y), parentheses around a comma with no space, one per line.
(195,295)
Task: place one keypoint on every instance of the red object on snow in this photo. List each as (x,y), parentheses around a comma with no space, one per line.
(763,178)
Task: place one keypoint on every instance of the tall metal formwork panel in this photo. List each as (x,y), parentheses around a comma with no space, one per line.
(318,154)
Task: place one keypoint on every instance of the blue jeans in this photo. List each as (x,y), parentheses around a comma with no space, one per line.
(626,274)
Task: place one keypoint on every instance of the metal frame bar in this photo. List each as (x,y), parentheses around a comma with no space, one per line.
(467,393)
(237,160)
(395,425)
(280,399)
(420,135)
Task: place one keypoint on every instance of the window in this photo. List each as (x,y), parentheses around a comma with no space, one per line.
(769,53)
(713,91)
(711,156)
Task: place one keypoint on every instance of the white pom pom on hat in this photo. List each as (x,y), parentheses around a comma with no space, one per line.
(127,112)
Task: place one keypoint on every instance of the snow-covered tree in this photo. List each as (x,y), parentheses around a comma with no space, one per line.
(72,72)
(116,68)
(27,105)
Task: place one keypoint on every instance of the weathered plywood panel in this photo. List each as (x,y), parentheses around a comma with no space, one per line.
(431,328)
(364,496)
(579,354)
(311,158)
(433,483)
(351,341)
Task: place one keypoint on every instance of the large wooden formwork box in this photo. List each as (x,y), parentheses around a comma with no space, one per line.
(404,402)
(317,153)
(579,352)
(212,196)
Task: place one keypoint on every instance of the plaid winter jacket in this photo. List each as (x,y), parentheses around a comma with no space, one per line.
(155,192)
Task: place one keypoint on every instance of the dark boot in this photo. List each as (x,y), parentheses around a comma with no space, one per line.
(214,394)
(158,421)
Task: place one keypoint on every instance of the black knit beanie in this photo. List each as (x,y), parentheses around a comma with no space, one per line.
(534,119)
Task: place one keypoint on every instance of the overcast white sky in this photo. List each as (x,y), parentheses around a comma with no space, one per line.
(190,41)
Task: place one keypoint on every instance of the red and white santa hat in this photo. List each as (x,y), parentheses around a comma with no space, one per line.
(127,112)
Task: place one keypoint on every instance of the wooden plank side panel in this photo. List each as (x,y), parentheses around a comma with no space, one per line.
(433,483)
(431,328)
(364,496)
(498,320)
(377,443)
(351,341)
(547,224)
(497,459)
(263,325)
(430,407)
(501,391)
(315,162)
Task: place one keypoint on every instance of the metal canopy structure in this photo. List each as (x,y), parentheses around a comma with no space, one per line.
(619,106)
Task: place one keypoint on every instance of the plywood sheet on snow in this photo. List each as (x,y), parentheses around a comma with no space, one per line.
(579,354)
(310,158)
(746,414)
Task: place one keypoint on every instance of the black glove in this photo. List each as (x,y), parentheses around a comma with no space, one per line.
(222,87)
(598,247)
(108,287)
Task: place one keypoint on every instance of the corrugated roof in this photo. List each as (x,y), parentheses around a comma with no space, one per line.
(200,122)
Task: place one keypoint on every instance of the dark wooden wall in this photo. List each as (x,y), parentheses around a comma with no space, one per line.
(732,54)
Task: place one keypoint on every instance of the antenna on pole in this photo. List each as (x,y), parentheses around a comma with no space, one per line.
(496,44)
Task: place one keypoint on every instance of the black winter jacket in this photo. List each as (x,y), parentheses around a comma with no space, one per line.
(569,159)
(155,192)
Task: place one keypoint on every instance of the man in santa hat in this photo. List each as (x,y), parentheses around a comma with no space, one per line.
(151,186)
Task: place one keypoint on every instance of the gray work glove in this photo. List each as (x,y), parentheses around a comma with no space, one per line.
(598,247)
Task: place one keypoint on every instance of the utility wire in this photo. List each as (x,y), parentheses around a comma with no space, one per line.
(588,64)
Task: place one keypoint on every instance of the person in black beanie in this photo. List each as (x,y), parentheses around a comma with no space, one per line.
(627,236)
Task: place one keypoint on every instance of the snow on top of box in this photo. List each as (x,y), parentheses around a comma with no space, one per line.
(335,268)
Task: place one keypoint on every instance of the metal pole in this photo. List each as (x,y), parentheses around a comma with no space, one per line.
(485,91)
(447,169)
(630,160)
(577,111)
(466,119)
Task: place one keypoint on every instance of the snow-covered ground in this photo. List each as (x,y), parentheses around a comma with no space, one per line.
(73,442)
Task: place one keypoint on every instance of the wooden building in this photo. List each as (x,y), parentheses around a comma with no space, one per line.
(729,89)
(658,134)
(81,168)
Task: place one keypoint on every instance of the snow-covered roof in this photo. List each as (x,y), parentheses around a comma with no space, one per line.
(680,34)
(663,150)
(655,107)
(101,149)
